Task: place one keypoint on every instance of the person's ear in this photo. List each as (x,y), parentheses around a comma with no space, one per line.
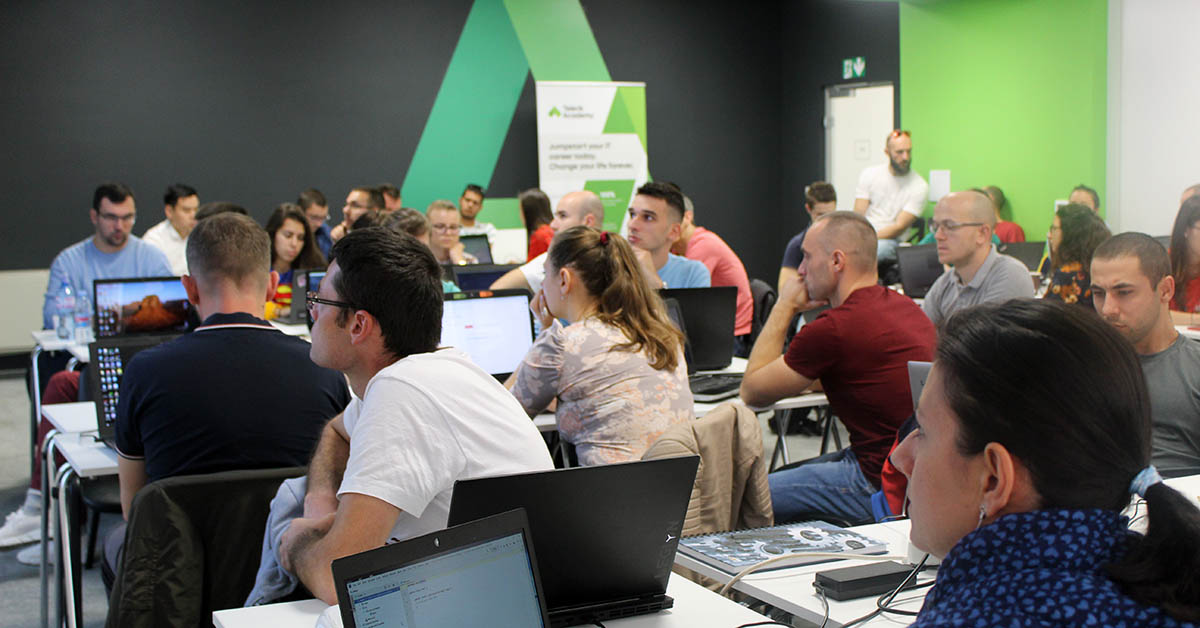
(838,259)
(95,216)
(566,281)
(362,325)
(192,290)
(273,285)
(675,232)
(1001,481)
(1166,289)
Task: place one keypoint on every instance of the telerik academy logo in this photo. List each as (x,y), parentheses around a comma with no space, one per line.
(555,113)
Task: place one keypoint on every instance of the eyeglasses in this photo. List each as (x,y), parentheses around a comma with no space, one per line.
(898,133)
(127,218)
(311,299)
(446,228)
(950,225)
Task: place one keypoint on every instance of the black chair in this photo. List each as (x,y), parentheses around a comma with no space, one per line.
(919,268)
(192,546)
(764,298)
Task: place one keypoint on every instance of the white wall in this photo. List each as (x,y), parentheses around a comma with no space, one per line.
(1153,111)
(23,292)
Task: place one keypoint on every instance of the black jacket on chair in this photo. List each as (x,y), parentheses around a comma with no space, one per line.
(192,546)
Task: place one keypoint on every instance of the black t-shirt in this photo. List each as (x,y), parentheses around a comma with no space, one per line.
(234,394)
(793,254)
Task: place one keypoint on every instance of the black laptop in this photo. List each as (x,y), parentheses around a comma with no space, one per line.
(312,283)
(302,283)
(493,327)
(708,316)
(919,268)
(480,573)
(605,535)
(479,276)
(140,306)
(478,246)
(108,358)
(1030,253)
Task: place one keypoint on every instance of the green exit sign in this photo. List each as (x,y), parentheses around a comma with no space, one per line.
(854,68)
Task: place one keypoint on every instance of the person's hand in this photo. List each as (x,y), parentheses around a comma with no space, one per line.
(541,311)
(456,254)
(338,232)
(297,529)
(795,296)
(649,271)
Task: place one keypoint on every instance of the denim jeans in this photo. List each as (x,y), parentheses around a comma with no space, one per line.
(833,484)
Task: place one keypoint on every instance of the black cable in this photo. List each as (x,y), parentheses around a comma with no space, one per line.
(765,623)
(882,605)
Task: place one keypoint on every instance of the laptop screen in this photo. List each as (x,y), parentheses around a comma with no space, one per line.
(478,246)
(495,328)
(479,276)
(108,361)
(486,584)
(139,306)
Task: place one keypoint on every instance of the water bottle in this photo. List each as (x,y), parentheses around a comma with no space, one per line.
(64,312)
(83,318)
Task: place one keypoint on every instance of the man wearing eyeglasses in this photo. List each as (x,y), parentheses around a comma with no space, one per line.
(891,196)
(111,252)
(422,418)
(359,201)
(962,225)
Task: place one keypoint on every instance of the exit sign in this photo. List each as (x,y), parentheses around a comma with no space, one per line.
(854,68)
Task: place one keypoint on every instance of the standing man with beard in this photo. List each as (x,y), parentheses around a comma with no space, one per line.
(891,196)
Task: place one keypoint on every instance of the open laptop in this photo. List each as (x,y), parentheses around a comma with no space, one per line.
(481,573)
(493,327)
(605,535)
(301,280)
(478,246)
(107,360)
(142,305)
(918,372)
(1030,253)
(312,283)
(708,321)
(919,268)
(479,276)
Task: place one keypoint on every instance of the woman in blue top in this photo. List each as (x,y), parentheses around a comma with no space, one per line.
(1034,430)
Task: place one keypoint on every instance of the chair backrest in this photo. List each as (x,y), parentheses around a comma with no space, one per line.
(764,297)
(192,546)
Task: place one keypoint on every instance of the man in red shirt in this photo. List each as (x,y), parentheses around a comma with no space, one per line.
(723,265)
(859,350)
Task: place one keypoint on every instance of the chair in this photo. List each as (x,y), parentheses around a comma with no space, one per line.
(730,491)
(764,297)
(919,268)
(192,546)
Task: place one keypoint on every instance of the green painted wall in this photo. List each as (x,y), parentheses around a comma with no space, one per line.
(1009,93)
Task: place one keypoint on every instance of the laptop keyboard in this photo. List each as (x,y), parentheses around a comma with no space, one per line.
(714,384)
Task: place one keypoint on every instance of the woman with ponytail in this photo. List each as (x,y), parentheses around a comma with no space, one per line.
(1025,455)
(617,371)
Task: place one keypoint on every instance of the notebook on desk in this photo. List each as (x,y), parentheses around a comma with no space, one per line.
(605,535)
(108,359)
(493,327)
(478,246)
(480,573)
(141,305)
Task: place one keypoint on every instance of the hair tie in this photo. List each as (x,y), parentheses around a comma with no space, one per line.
(1144,480)
(603,238)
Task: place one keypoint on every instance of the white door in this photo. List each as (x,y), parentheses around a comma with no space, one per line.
(858,119)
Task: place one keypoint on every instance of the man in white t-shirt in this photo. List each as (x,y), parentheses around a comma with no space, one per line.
(170,236)
(421,418)
(891,196)
(576,208)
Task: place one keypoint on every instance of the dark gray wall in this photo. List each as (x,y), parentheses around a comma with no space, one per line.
(252,103)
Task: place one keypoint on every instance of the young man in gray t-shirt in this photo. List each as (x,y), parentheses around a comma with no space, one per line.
(1132,288)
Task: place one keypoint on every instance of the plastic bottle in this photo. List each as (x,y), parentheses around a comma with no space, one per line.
(83,318)
(64,312)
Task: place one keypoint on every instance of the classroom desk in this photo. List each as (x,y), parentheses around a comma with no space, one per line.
(694,606)
(73,437)
(47,340)
(292,329)
(1189,331)
(791,589)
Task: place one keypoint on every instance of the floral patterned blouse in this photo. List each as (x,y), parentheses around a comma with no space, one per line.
(1071,284)
(612,405)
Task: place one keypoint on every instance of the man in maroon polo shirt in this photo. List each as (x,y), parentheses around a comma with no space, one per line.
(859,350)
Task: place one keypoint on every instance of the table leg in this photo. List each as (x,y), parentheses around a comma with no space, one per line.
(782,418)
(36,394)
(70,507)
(47,454)
(59,563)
(829,432)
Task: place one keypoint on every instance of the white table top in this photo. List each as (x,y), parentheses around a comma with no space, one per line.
(49,341)
(297,329)
(791,589)
(89,457)
(694,606)
(71,417)
(1189,331)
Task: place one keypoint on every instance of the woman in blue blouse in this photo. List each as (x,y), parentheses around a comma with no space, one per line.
(1034,430)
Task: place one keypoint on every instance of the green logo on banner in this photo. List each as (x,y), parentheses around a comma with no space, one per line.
(615,195)
(554,112)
